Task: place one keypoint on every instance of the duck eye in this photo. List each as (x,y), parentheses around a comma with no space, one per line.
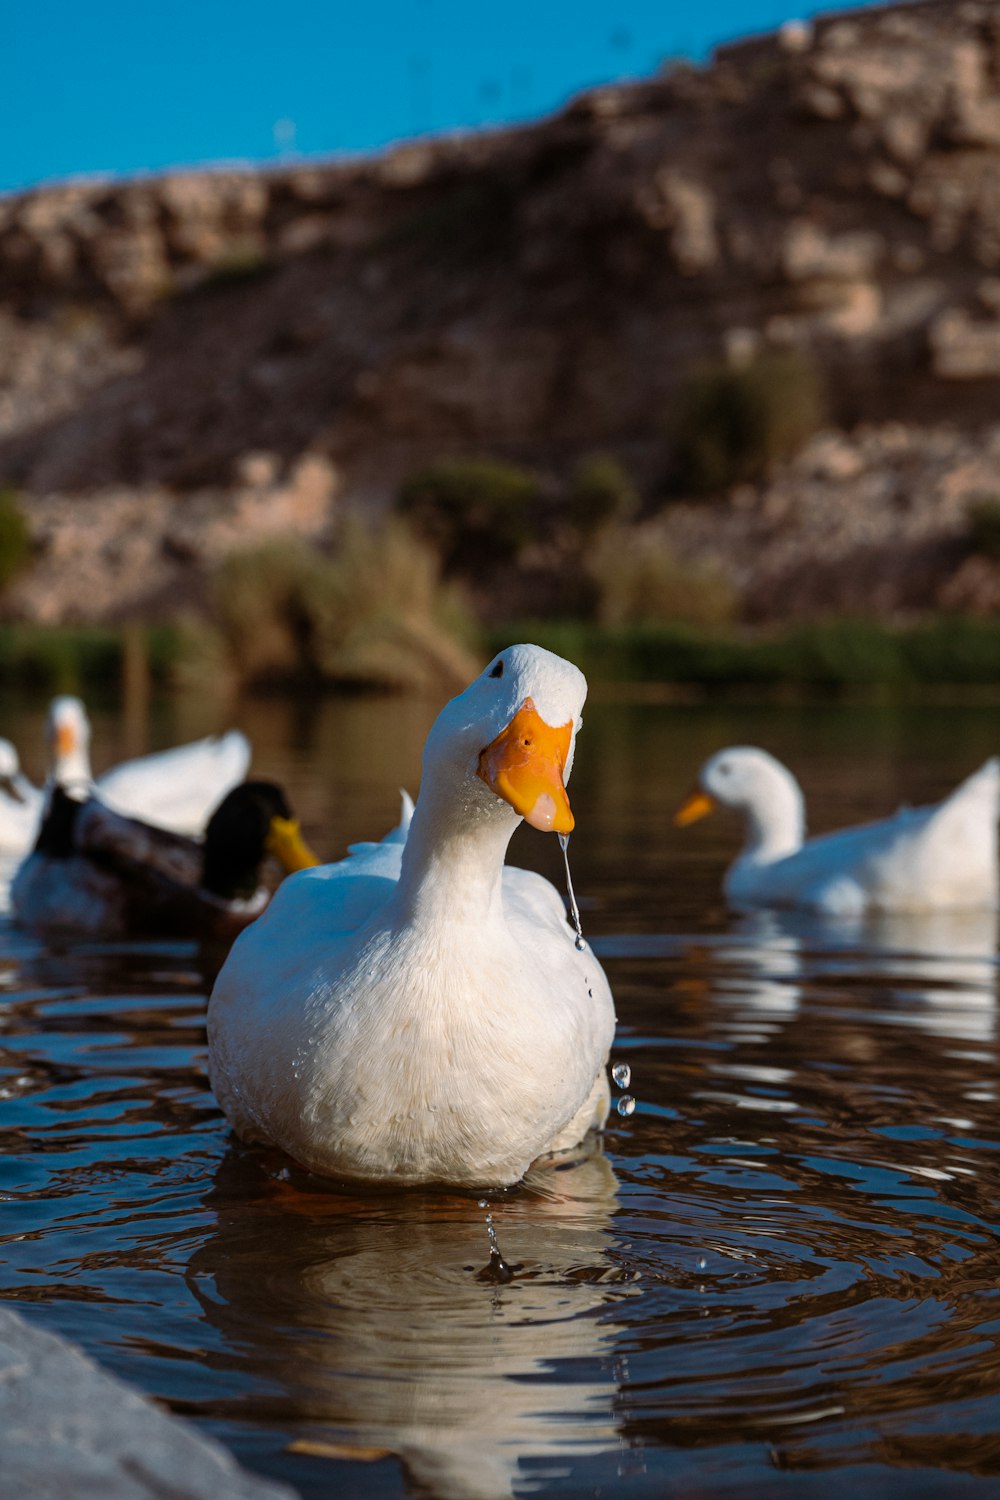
(497,670)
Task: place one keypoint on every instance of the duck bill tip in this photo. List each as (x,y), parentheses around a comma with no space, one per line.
(696,805)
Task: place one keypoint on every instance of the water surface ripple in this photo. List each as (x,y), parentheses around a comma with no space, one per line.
(780,1274)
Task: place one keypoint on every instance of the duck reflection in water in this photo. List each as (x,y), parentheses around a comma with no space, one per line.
(374,1327)
(936,971)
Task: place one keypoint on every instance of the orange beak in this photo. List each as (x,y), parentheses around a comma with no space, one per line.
(524,765)
(698,805)
(65,739)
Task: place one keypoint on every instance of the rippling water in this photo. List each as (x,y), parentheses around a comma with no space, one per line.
(779,1274)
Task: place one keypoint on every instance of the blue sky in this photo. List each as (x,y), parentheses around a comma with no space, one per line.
(101,86)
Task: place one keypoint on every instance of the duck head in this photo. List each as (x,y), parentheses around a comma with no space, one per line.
(251,821)
(510,737)
(68,735)
(754,783)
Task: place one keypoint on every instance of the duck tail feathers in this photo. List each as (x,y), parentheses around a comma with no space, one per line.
(985,782)
(398,834)
(979,794)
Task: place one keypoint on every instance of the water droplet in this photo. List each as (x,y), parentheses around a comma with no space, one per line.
(498,1271)
(574,910)
(702,1263)
(622,1074)
(625,1105)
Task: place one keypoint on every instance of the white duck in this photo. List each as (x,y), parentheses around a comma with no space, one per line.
(922,859)
(20,805)
(419,1012)
(176,789)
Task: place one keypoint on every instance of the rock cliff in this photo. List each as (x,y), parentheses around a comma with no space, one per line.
(193,360)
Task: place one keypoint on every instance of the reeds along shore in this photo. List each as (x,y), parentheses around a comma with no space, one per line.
(954,654)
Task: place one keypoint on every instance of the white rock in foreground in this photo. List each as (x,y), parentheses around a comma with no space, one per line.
(69,1429)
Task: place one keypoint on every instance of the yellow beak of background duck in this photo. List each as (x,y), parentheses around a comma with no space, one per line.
(698,805)
(65,739)
(524,765)
(288,846)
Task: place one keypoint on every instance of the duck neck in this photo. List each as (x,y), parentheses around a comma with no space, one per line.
(72,770)
(775,820)
(453,858)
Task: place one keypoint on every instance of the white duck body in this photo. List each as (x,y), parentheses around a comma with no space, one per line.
(419,1012)
(175,789)
(178,789)
(922,859)
(21,804)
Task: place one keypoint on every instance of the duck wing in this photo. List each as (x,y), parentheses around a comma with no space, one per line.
(131,846)
(160,875)
(178,789)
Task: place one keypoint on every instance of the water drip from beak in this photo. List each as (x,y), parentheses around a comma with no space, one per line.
(574,910)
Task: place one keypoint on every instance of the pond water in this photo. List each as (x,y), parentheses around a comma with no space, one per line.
(779,1275)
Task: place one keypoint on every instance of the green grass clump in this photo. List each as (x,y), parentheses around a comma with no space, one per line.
(476,512)
(15,539)
(600,493)
(374,613)
(833,655)
(76,659)
(733,424)
(955,649)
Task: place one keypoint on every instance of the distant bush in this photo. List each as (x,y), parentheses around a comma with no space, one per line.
(374,613)
(82,658)
(732,425)
(477,512)
(264,599)
(984,527)
(15,539)
(640,580)
(840,655)
(954,649)
(240,261)
(600,493)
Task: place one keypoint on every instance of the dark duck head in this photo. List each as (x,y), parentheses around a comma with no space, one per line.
(252,821)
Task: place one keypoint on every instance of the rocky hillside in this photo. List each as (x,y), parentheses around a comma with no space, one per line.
(195,360)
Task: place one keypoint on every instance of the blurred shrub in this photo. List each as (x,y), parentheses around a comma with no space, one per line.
(374,613)
(984,527)
(640,580)
(477,512)
(60,659)
(264,600)
(732,424)
(954,649)
(600,493)
(15,539)
(840,652)
(846,654)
